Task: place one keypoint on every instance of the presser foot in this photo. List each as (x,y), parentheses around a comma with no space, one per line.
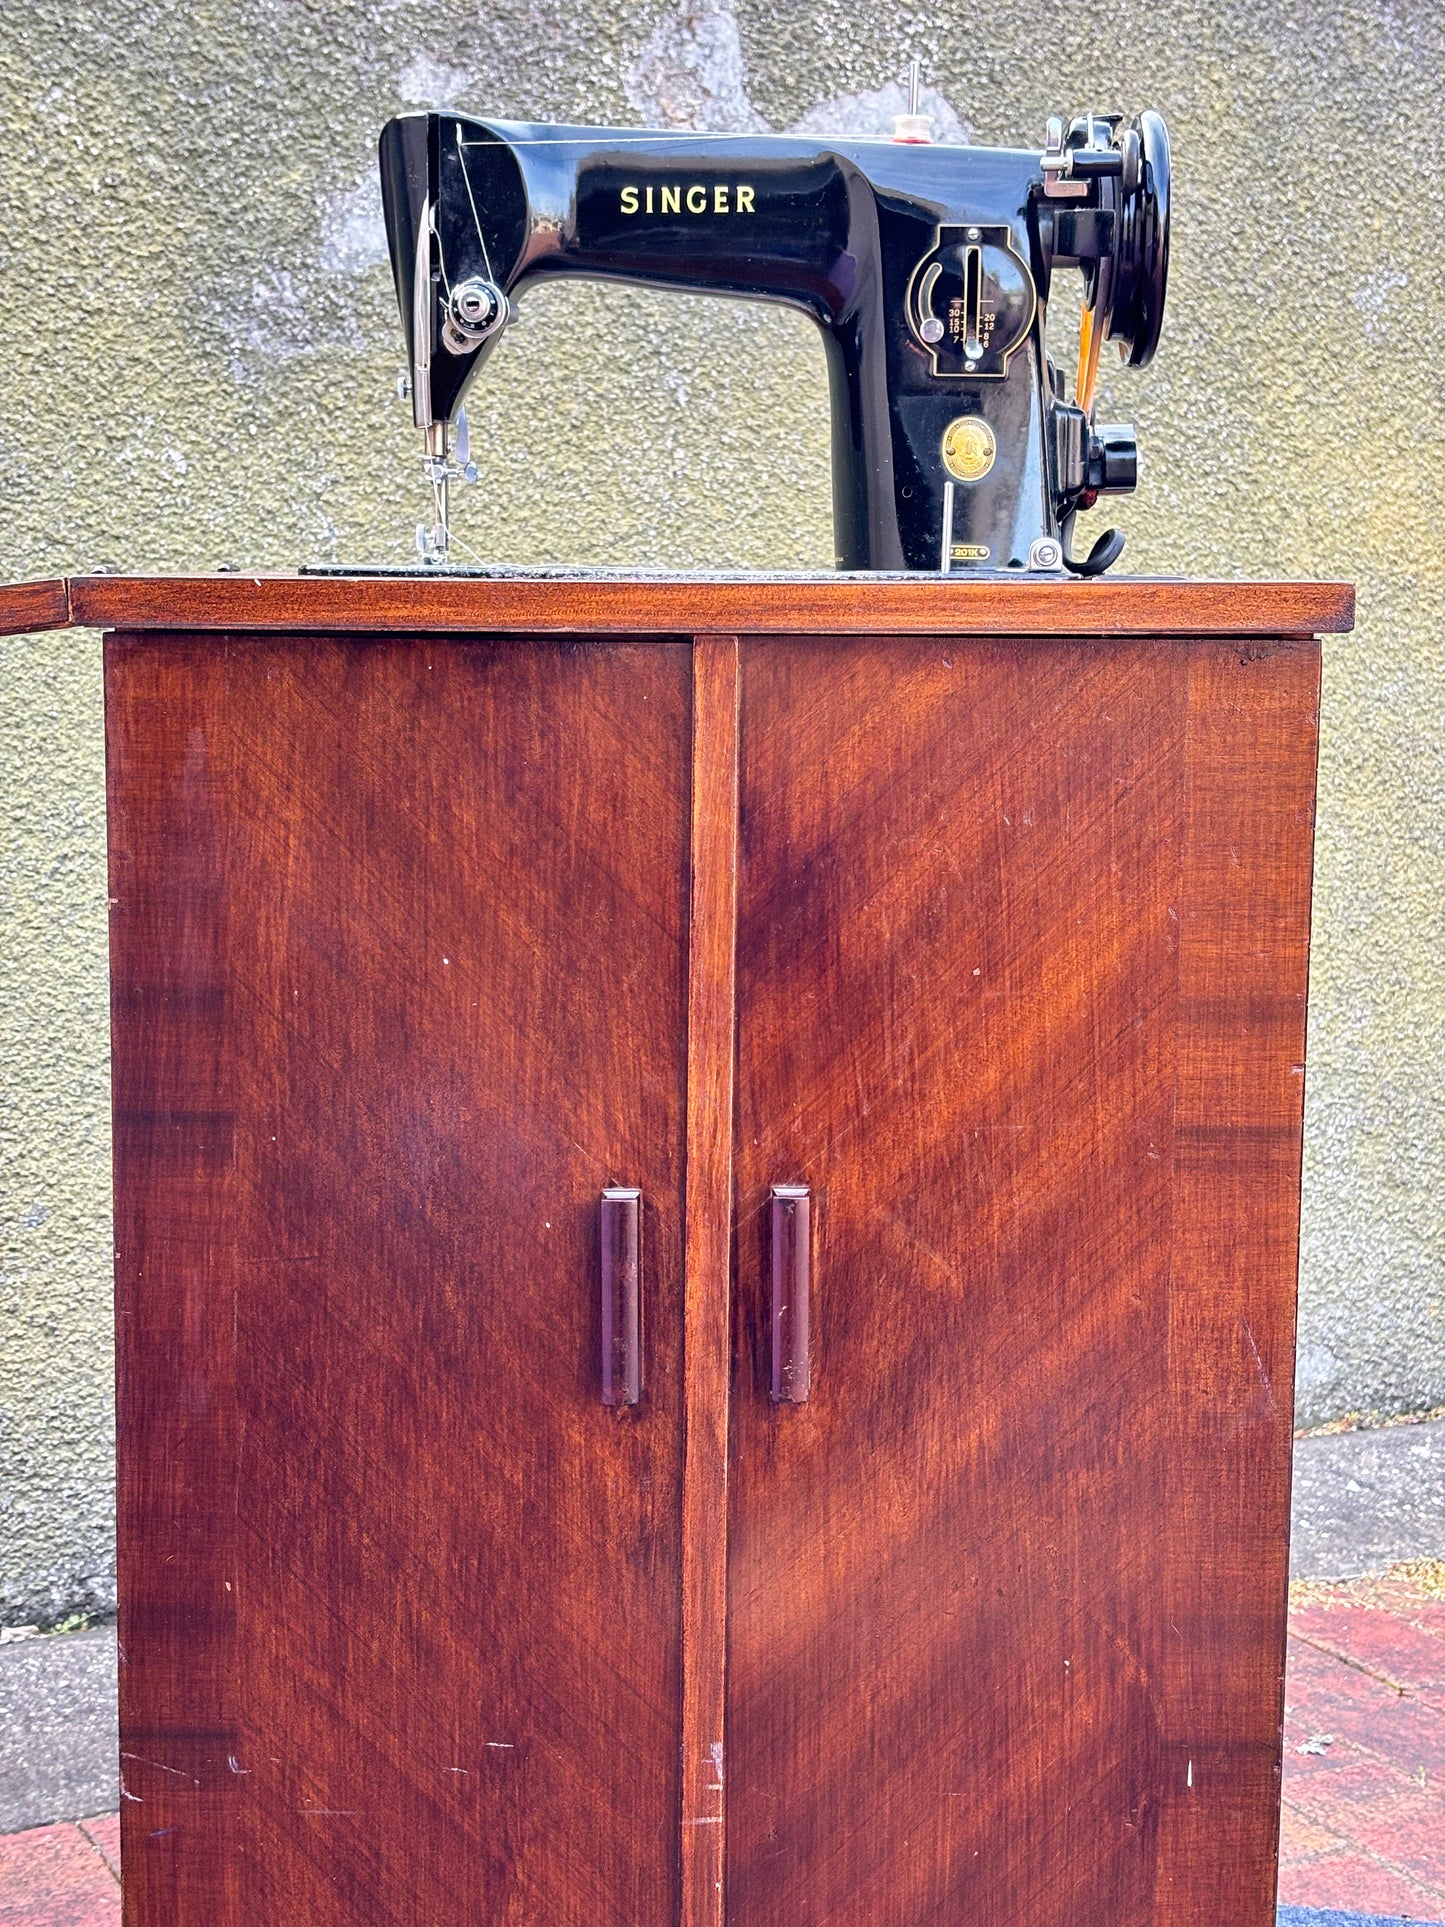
(442,467)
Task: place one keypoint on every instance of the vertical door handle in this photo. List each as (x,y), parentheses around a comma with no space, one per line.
(792,1267)
(621,1297)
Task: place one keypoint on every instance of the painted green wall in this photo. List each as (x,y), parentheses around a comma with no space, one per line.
(200,345)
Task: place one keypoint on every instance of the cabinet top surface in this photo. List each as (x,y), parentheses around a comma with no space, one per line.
(673,605)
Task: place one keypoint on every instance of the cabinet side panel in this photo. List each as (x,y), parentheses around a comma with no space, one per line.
(400,977)
(981,887)
(1243,972)
(174,1102)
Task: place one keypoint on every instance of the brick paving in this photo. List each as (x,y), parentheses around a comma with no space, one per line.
(1364,1772)
(67,1875)
(1364,1765)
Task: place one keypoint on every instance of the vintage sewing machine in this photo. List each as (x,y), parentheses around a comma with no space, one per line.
(928,269)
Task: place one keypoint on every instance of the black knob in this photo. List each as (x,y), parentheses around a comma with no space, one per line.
(1113,466)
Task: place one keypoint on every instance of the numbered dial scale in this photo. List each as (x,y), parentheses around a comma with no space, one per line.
(972,302)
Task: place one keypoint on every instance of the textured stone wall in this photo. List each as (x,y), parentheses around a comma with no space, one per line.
(200,344)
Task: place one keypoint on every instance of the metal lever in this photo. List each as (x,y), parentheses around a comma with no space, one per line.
(792,1267)
(621,1297)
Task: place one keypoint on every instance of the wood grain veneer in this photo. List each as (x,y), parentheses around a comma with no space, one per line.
(399,957)
(28,607)
(707,1291)
(1021,994)
(684,606)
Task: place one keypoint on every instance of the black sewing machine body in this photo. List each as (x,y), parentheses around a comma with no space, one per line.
(927,269)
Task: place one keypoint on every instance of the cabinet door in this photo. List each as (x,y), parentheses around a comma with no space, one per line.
(1021,974)
(399,965)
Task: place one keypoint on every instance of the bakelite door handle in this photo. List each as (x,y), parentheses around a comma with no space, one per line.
(621,1296)
(791,1209)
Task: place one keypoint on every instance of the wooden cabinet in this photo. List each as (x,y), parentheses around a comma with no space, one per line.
(975,918)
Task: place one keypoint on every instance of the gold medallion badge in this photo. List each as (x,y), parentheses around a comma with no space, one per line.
(969,448)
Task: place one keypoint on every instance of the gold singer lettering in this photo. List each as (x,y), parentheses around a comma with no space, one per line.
(674,197)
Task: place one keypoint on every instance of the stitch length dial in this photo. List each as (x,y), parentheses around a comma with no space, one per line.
(971,301)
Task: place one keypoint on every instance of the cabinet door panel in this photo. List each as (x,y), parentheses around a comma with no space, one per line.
(1021,974)
(399,979)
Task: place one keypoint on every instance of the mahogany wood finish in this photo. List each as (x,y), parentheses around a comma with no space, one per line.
(1022,970)
(28,607)
(706,1302)
(684,606)
(985,927)
(399,953)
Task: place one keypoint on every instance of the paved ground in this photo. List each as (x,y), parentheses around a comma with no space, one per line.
(1363,1500)
(1331,1917)
(1364,1777)
(1363,1838)
(62,1876)
(57,1728)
